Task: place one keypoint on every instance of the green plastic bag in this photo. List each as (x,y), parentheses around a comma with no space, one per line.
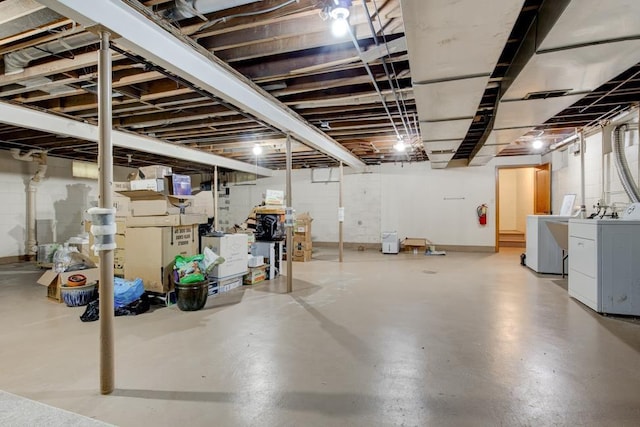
(189,269)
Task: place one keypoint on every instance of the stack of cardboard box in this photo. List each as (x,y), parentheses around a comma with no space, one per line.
(151,230)
(302,245)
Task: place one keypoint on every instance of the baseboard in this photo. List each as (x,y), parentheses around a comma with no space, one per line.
(378,247)
(465,248)
(14,259)
(350,245)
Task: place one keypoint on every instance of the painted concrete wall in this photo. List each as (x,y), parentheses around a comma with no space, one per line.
(412,199)
(601,176)
(60,201)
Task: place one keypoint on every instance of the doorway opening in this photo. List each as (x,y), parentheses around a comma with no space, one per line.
(521,191)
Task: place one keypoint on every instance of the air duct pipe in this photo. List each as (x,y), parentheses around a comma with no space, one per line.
(15,62)
(190,8)
(624,173)
(40,157)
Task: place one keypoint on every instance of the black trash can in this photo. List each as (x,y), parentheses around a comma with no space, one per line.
(191,296)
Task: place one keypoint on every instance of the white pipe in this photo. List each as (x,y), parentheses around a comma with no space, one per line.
(583,198)
(40,157)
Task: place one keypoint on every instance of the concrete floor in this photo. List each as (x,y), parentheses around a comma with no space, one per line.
(462,339)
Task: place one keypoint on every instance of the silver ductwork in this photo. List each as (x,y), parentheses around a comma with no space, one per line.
(622,166)
(189,8)
(15,62)
(574,47)
(18,16)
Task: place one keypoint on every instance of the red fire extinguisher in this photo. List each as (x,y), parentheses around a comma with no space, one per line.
(482,214)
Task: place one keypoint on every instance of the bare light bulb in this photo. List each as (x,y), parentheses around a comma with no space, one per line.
(399,146)
(257,150)
(339,27)
(537,144)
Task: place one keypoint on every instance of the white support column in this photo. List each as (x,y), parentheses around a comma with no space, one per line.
(105,161)
(216,218)
(289,228)
(340,218)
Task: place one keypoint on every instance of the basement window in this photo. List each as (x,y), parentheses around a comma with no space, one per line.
(85,170)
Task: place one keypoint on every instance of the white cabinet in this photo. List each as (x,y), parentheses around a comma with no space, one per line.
(543,253)
(604,267)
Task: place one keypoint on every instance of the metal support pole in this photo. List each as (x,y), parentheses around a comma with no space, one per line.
(583,203)
(340,218)
(290,228)
(105,155)
(216,218)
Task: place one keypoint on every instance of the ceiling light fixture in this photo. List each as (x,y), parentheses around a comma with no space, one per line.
(340,15)
(537,144)
(400,146)
(257,150)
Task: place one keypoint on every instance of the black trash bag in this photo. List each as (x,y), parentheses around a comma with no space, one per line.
(139,306)
(92,312)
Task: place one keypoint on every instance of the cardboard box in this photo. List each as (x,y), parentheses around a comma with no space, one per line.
(279,210)
(233,248)
(148,184)
(119,259)
(166,220)
(121,203)
(151,252)
(302,244)
(225,285)
(302,228)
(153,221)
(191,219)
(411,243)
(53,280)
(274,197)
(303,220)
(154,172)
(301,256)
(255,275)
(255,261)
(121,186)
(149,203)
(120,238)
(201,203)
(302,236)
(179,185)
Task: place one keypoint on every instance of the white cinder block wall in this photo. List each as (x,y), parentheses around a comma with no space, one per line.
(60,200)
(601,177)
(412,199)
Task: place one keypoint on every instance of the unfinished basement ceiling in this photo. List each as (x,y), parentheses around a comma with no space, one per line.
(448,80)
